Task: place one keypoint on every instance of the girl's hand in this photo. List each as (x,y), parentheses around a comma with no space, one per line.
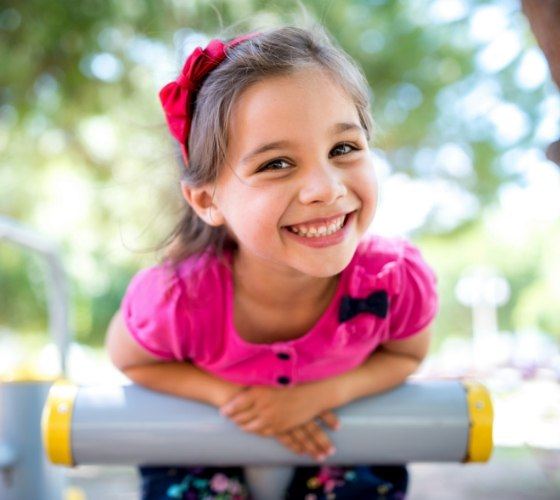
(310,438)
(270,410)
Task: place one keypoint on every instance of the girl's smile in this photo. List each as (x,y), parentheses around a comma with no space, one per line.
(322,232)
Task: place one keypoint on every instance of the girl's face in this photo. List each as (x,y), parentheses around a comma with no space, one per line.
(297,154)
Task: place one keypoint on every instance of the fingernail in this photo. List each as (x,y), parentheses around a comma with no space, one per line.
(331,450)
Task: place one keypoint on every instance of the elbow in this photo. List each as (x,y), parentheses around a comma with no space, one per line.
(413,363)
(404,365)
(414,348)
(131,371)
(418,359)
(140,374)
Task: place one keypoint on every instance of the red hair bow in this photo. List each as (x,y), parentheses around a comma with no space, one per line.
(177,97)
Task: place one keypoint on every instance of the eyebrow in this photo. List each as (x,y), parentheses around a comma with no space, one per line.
(338,128)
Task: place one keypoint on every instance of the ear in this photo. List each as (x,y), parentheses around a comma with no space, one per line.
(201,199)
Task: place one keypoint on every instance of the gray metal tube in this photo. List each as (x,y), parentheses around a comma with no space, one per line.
(26,472)
(56,280)
(416,422)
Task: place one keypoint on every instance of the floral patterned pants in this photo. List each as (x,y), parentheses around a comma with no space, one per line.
(308,483)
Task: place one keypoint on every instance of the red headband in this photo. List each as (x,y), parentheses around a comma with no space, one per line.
(177,98)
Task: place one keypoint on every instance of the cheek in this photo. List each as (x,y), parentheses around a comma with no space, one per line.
(255,214)
(374,189)
(366,189)
(366,186)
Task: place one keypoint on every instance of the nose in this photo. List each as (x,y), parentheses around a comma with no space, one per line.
(322,184)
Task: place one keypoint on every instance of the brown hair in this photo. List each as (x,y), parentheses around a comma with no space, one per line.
(274,52)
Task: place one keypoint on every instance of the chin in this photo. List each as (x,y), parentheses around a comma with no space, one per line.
(325,267)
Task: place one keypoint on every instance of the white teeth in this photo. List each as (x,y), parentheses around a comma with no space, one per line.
(318,231)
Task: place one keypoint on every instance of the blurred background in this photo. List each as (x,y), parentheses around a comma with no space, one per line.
(468,120)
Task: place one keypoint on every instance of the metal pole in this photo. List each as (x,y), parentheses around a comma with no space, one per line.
(57,282)
(24,471)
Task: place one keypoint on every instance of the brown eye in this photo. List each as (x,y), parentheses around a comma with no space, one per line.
(273,165)
(345,146)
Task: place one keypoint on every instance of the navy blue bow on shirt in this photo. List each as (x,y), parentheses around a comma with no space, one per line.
(375,303)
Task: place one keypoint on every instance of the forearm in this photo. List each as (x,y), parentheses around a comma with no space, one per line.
(183,379)
(382,371)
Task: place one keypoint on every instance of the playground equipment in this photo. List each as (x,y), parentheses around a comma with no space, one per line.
(24,471)
(435,421)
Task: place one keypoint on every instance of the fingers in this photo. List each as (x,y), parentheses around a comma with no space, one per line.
(258,428)
(255,426)
(237,405)
(319,438)
(330,419)
(243,417)
(312,440)
(300,442)
(290,442)
(250,422)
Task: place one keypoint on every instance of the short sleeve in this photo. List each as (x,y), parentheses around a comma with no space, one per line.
(154,311)
(414,307)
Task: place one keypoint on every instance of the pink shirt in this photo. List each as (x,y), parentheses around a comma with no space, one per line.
(185,313)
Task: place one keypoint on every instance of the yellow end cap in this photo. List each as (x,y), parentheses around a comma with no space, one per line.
(481,418)
(56,422)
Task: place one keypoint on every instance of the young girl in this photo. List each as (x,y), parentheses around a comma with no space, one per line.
(272,303)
